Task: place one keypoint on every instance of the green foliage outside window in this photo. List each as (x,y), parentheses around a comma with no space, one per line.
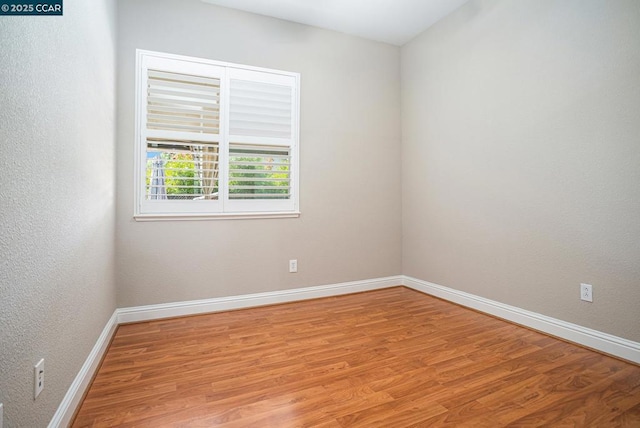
(182,178)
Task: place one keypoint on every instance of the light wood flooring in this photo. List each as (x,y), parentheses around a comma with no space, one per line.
(388,358)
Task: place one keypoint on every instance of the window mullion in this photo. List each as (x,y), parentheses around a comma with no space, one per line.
(224,141)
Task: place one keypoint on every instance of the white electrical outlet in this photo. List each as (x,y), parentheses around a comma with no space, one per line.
(586,292)
(38,378)
(293,266)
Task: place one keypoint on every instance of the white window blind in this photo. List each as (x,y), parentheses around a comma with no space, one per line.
(215,138)
(260,109)
(179,102)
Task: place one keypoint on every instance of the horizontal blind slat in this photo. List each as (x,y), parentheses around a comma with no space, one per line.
(277,98)
(261,133)
(241,187)
(168,101)
(180,77)
(184,110)
(271,88)
(175,127)
(232,163)
(181,118)
(159,143)
(185,86)
(258,196)
(256,169)
(259,102)
(185,95)
(261,179)
(261,124)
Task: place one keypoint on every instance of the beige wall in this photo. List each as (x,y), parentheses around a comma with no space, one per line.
(521,157)
(350,161)
(57,205)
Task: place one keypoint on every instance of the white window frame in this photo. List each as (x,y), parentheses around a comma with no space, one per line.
(150,210)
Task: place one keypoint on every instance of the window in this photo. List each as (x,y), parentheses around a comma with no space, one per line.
(214,139)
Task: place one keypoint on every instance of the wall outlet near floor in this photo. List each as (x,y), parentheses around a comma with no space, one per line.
(38,378)
(293,266)
(586,292)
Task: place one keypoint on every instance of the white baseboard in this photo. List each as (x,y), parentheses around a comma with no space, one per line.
(71,401)
(193,307)
(607,343)
(594,339)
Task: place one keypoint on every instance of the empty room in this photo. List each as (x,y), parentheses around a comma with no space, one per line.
(297,213)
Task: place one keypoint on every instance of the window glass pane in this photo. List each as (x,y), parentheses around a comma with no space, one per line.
(259,172)
(181,170)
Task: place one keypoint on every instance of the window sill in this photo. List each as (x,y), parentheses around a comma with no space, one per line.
(216,216)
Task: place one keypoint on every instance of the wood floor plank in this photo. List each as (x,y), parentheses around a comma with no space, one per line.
(392,357)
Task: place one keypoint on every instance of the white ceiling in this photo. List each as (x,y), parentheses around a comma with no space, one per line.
(390,21)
